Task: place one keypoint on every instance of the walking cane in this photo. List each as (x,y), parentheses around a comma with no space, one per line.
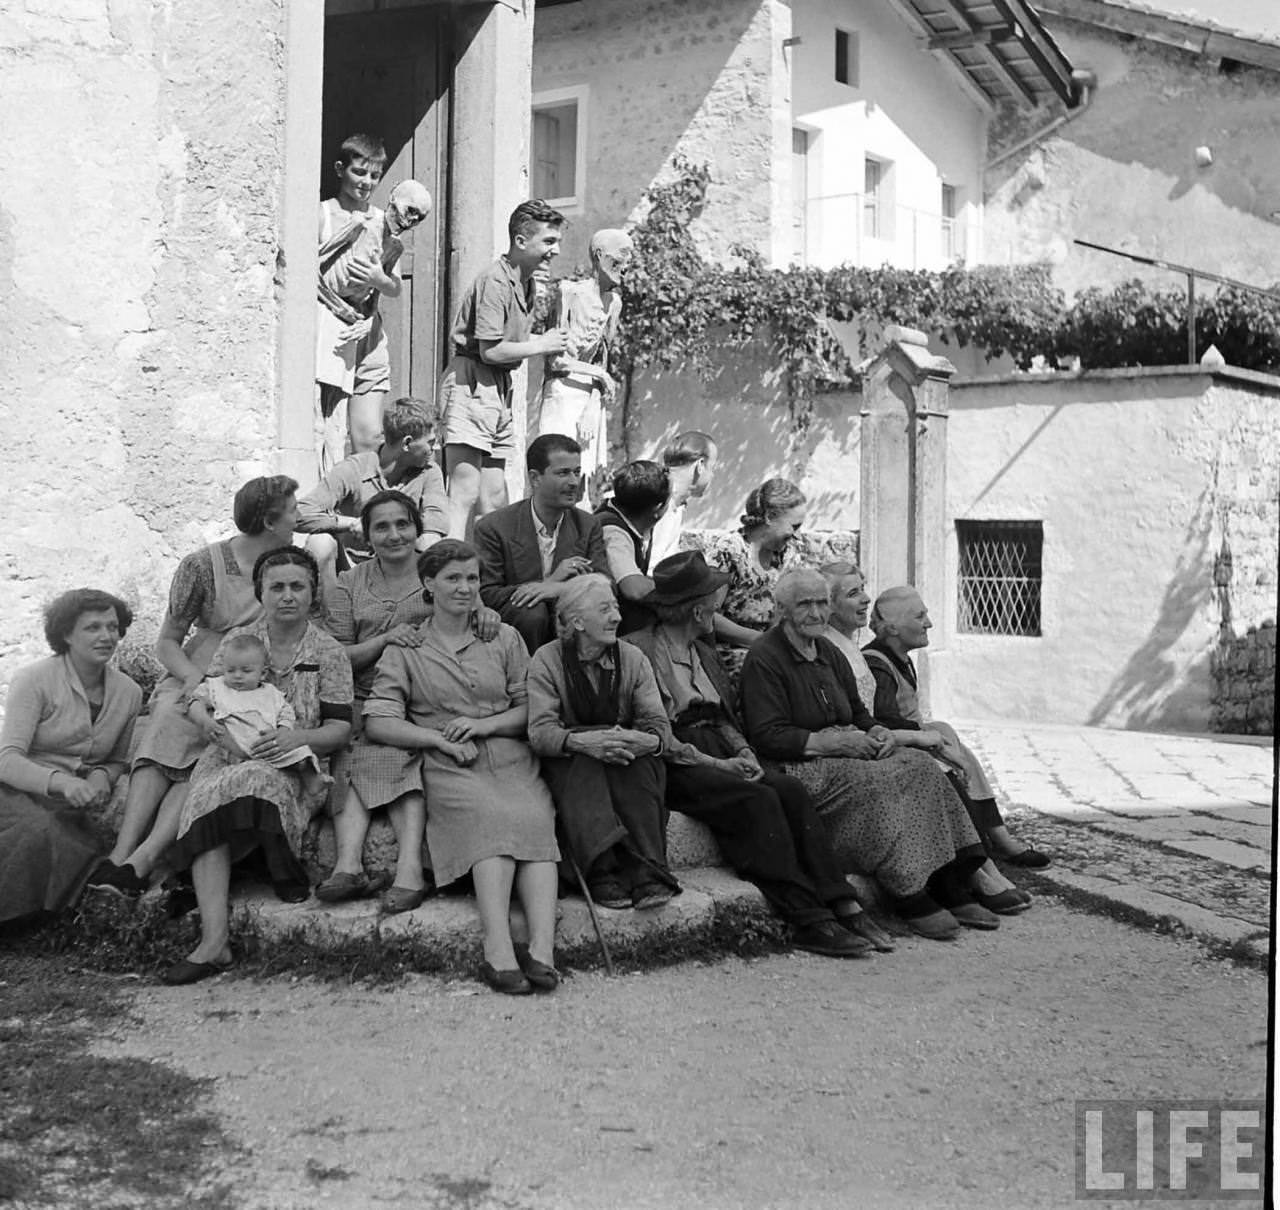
(591,908)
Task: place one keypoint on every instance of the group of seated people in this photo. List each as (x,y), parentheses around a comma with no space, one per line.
(479,693)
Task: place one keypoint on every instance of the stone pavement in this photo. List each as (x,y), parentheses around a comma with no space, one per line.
(1173,830)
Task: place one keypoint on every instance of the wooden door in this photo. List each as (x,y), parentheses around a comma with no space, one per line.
(387,74)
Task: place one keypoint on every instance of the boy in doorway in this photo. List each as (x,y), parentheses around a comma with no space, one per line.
(360,246)
(491,336)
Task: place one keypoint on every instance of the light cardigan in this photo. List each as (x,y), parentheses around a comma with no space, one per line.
(48,728)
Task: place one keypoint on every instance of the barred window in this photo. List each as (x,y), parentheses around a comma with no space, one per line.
(999,577)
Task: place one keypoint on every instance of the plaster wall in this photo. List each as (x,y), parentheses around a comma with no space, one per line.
(906,110)
(138,232)
(1136,477)
(742,403)
(1124,174)
(664,77)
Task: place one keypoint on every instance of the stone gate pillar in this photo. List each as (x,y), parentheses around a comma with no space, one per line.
(904,477)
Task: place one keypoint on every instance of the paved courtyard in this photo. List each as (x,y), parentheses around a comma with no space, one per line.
(1174,828)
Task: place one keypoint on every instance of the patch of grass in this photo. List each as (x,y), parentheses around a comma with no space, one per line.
(78,1129)
(114,935)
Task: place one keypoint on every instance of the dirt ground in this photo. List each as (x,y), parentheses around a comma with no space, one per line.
(939,1076)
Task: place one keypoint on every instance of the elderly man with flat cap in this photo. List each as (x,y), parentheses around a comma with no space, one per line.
(901,624)
(763,821)
(577,384)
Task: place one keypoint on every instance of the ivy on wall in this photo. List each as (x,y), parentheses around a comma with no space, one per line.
(680,309)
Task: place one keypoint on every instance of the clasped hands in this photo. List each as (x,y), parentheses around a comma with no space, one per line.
(873,744)
(616,745)
(538,591)
(90,791)
(745,765)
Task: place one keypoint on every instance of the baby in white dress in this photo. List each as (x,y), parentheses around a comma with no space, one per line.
(249,709)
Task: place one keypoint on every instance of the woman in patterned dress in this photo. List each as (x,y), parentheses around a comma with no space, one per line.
(891,813)
(767,543)
(461,703)
(379,604)
(235,806)
(211,594)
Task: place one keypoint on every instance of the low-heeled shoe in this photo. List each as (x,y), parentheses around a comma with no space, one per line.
(509,983)
(398,899)
(1008,902)
(182,973)
(829,940)
(1028,859)
(935,926)
(861,925)
(543,977)
(651,895)
(975,916)
(609,893)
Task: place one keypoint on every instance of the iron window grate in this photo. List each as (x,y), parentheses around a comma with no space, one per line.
(999,577)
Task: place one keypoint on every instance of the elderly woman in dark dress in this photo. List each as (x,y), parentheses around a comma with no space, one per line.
(211,594)
(377,604)
(891,813)
(237,805)
(460,703)
(67,726)
(597,720)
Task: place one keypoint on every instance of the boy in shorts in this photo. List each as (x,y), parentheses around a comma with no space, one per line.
(360,246)
(491,336)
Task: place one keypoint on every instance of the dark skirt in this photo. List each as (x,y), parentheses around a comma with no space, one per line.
(46,853)
(599,805)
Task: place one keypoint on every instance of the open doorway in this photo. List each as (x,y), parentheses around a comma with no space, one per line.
(387,74)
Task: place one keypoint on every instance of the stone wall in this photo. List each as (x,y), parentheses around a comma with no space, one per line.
(742,402)
(138,233)
(666,77)
(1123,173)
(1139,477)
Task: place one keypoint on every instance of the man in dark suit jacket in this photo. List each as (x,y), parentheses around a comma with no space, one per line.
(529,551)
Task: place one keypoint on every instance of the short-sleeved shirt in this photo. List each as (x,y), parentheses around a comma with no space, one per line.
(498,305)
(362,606)
(354,481)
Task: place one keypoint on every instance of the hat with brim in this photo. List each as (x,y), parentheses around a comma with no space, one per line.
(683,577)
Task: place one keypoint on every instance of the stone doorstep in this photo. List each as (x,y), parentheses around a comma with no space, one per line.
(1224,851)
(447,919)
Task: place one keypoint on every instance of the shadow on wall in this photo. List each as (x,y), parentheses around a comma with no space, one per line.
(750,417)
(1152,691)
(652,69)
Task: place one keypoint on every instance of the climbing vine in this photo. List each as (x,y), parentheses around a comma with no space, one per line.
(682,309)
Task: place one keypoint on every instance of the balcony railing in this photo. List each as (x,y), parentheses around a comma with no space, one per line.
(835,230)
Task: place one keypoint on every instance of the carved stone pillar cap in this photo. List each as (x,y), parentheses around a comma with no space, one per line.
(897,333)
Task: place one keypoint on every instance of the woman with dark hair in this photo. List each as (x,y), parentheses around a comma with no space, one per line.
(461,704)
(767,543)
(211,594)
(67,727)
(379,604)
(235,805)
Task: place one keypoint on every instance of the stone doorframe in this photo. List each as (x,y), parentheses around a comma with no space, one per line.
(488,172)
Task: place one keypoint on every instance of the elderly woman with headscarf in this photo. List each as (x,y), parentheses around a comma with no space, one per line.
(890,813)
(596,719)
(68,722)
(762,819)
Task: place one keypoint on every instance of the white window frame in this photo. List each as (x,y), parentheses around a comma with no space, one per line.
(551,98)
